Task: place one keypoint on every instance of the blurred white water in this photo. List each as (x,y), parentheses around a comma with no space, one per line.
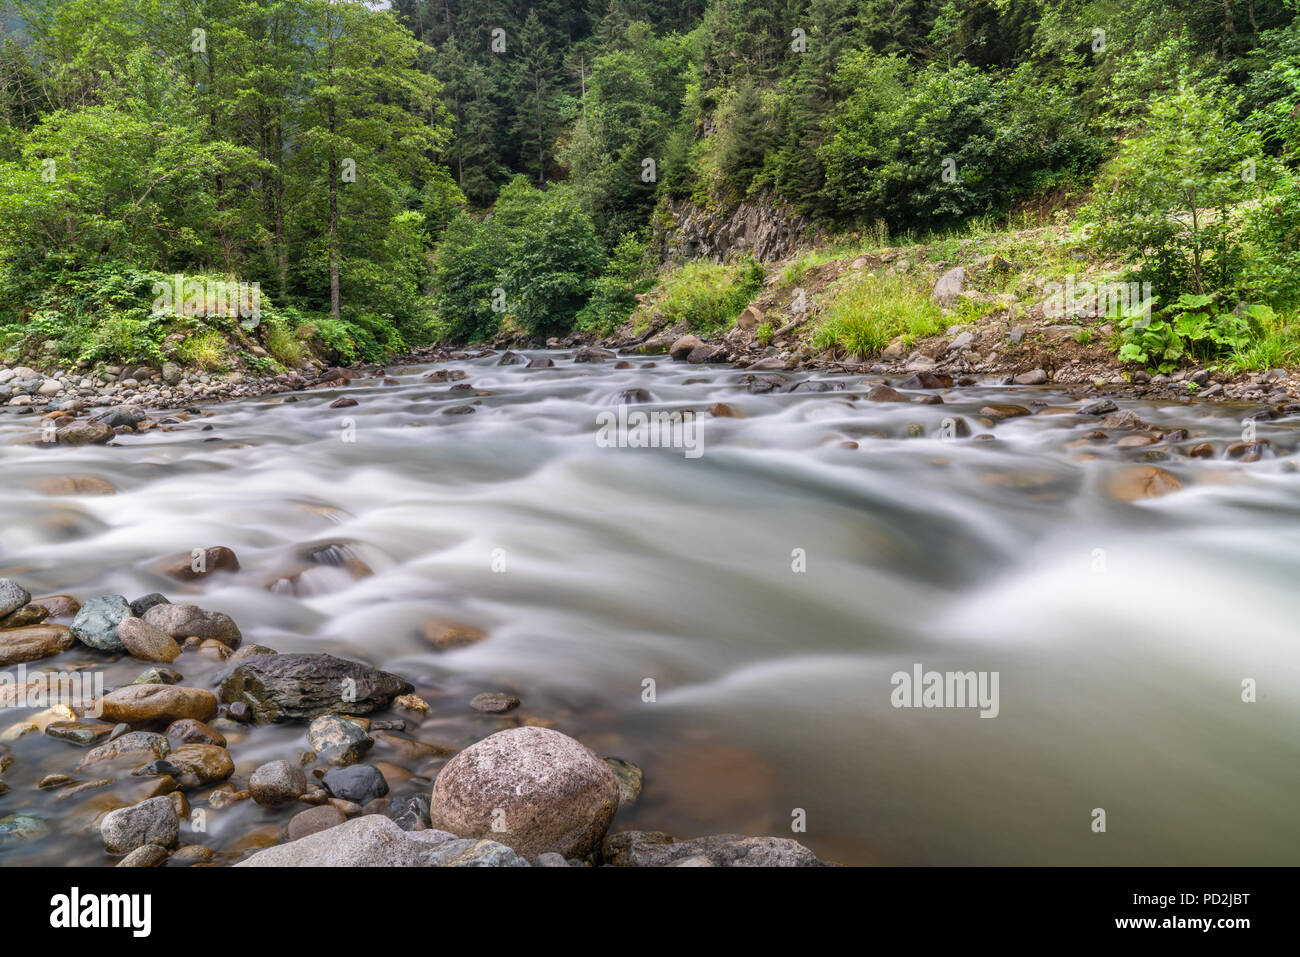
(1120,685)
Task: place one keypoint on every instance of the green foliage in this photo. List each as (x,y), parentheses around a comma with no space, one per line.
(949,142)
(344,156)
(369,338)
(1168,202)
(614,292)
(296,149)
(206,350)
(708,296)
(553,258)
(1190,328)
(533,262)
(866,311)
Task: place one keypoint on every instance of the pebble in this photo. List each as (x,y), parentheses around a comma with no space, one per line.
(139,745)
(884,393)
(446,636)
(191,621)
(1139,482)
(150,855)
(1003,410)
(145,602)
(411,813)
(135,704)
(21,645)
(201,763)
(190,566)
(191,731)
(159,676)
(59,606)
(78,732)
(193,854)
(29,614)
(314,820)
(630,780)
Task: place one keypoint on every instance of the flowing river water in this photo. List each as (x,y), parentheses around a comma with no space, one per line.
(770,588)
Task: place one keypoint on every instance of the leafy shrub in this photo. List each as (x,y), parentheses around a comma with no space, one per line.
(614,292)
(1168,202)
(926,149)
(1190,328)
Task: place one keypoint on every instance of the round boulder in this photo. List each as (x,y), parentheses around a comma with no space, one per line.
(277,783)
(96,623)
(150,822)
(531,789)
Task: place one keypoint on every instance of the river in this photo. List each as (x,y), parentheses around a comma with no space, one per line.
(762,594)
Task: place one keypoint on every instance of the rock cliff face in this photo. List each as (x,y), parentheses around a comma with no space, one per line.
(765,229)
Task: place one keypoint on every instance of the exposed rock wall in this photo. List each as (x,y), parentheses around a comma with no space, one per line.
(765,229)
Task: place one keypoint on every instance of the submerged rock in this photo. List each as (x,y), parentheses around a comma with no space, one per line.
(301,687)
(20,645)
(1144,481)
(150,822)
(375,841)
(96,623)
(630,780)
(654,849)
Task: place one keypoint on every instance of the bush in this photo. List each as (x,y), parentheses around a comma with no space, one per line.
(554,258)
(533,261)
(927,149)
(614,292)
(284,344)
(1168,203)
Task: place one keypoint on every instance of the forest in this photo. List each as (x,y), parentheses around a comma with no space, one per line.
(433,170)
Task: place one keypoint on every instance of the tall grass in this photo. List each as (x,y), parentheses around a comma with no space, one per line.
(708,296)
(867,311)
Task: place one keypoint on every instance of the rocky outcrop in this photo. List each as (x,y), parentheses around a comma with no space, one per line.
(765,229)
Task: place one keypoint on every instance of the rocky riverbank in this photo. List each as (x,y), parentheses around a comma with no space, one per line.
(151,762)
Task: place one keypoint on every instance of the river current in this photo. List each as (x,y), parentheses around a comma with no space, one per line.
(732,621)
